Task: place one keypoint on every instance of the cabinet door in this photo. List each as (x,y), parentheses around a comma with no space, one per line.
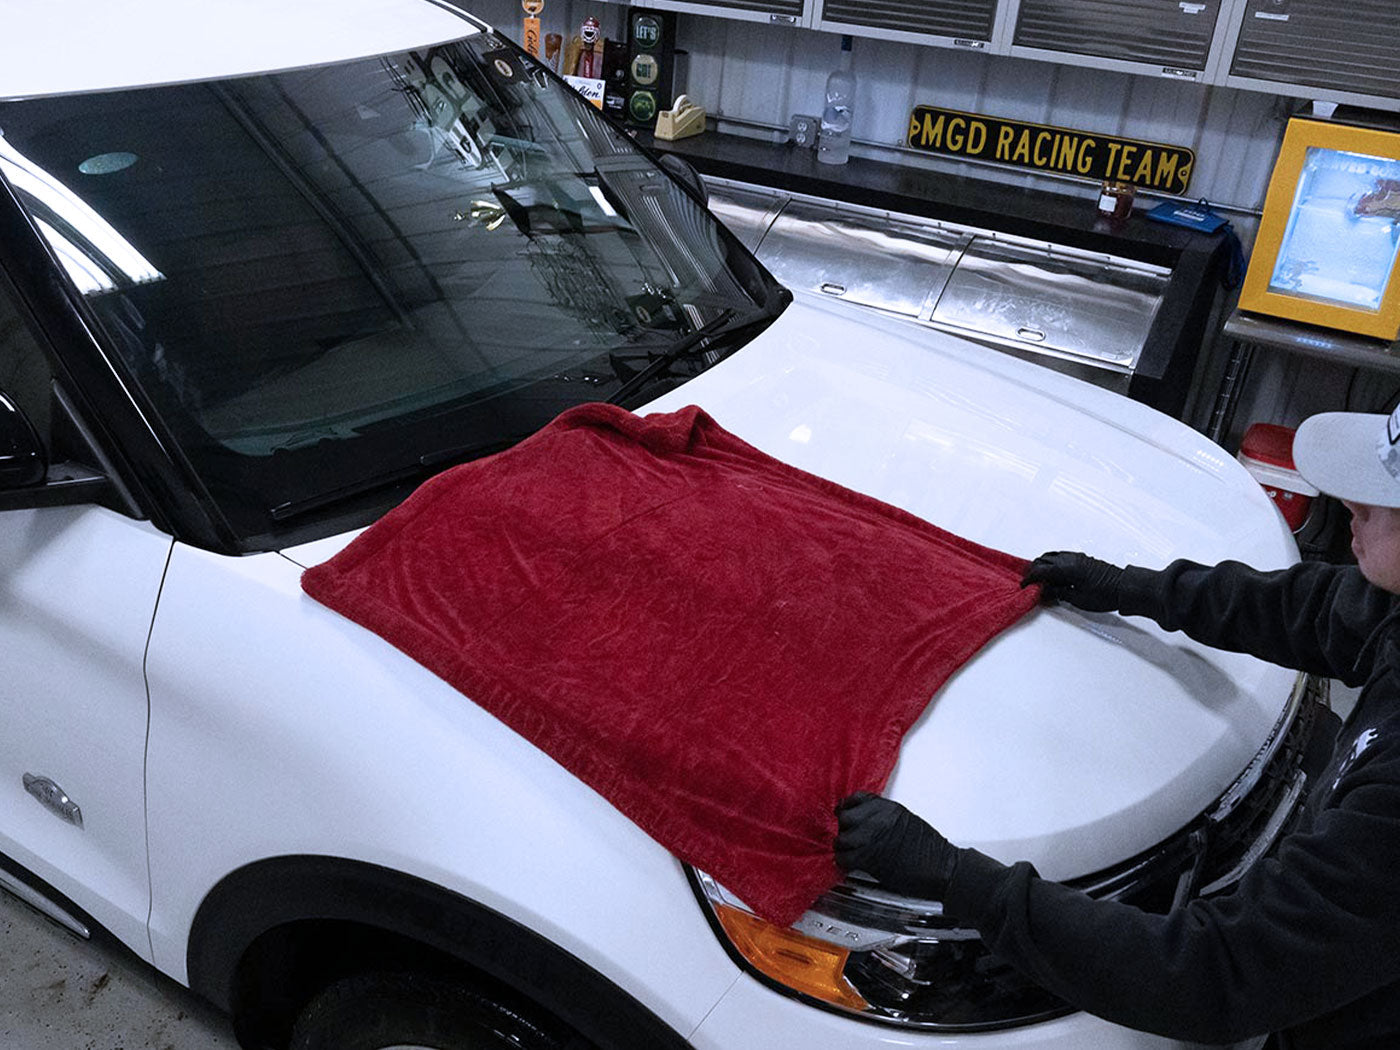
(1171,37)
(964,21)
(778,12)
(1343,49)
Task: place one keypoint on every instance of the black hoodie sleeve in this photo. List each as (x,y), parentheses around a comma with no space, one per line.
(1303,934)
(1311,617)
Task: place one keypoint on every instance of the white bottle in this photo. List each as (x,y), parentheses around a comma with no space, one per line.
(834,139)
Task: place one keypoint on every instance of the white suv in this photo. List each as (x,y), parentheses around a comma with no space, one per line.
(266,266)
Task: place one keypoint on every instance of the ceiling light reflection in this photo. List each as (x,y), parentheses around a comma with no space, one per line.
(116,254)
(86,274)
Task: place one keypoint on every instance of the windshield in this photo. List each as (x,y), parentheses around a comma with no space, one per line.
(334,277)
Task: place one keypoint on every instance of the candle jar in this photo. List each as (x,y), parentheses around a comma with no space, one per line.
(1116,200)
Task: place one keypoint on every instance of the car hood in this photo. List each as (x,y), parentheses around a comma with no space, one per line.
(1072,740)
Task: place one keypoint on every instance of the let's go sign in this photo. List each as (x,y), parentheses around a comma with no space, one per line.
(1045,148)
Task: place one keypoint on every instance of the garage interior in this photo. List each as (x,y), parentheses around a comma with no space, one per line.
(903,229)
(1141,307)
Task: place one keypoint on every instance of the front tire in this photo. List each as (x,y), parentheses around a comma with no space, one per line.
(416,1012)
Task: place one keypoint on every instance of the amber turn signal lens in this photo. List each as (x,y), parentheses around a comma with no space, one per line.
(802,963)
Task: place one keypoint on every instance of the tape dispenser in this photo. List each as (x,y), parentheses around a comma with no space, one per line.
(682,119)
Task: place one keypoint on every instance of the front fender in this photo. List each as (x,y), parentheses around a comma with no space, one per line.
(329,893)
(280,728)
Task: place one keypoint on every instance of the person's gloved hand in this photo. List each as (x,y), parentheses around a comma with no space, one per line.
(885,840)
(1069,576)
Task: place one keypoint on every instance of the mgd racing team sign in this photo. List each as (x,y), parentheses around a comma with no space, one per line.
(1042,147)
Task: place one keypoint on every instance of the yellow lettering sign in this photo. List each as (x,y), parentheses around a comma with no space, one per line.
(1085,161)
(1042,160)
(1128,152)
(1143,172)
(1022,153)
(1050,148)
(934,135)
(1064,153)
(955,134)
(1004,137)
(976,138)
(1166,168)
(1114,148)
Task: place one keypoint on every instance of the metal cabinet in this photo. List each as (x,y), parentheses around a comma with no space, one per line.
(959,23)
(1085,314)
(1181,40)
(1316,49)
(1049,300)
(776,12)
(870,258)
(1341,52)
(747,212)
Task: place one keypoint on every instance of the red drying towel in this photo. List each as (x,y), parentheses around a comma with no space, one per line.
(721,645)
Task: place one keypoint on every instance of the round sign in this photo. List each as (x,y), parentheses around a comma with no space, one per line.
(532,7)
(646,31)
(642,106)
(645,70)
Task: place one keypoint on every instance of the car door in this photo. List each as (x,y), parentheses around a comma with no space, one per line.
(78,589)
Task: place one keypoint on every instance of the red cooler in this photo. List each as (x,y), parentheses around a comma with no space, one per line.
(1267,453)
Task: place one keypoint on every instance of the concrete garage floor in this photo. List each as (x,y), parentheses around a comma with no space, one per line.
(61,993)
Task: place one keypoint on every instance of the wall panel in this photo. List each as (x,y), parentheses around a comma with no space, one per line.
(764,74)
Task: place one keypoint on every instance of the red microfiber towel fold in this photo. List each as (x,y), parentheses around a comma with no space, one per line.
(721,645)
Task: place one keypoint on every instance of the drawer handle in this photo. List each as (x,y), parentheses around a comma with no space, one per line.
(1035,335)
(831,288)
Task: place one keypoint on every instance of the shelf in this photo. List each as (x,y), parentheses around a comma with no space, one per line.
(1354,350)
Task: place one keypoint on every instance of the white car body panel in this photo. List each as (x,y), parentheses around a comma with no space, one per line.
(78,588)
(1043,772)
(1018,755)
(278,727)
(216,40)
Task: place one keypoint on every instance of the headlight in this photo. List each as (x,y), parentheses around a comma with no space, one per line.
(885,957)
(860,950)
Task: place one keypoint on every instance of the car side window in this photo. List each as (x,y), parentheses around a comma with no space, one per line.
(24,370)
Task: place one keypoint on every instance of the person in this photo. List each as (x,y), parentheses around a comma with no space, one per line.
(1306,946)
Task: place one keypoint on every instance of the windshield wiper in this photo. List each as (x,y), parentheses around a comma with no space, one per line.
(428,463)
(728,322)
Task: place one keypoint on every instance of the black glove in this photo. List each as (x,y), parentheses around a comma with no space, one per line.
(885,840)
(1084,582)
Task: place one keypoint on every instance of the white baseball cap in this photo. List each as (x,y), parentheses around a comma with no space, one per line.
(1354,456)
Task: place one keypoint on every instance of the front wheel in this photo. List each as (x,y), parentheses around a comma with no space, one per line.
(416,1012)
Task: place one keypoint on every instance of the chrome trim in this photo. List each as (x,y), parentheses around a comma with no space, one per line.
(1267,837)
(42,904)
(1249,777)
(902,919)
(1115,882)
(53,798)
